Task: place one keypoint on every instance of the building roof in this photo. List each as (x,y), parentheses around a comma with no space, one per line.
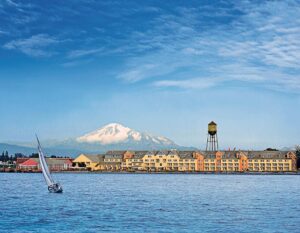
(30,162)
(234,154)
(163,152)
(21,160)
(95,158)
(173,152)
(230,155)
(209,154)
(186,154)
(55,161)
(151,152)
(115,154)
(139,154)
(266,154)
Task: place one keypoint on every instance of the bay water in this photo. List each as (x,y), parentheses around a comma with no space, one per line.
(93,202)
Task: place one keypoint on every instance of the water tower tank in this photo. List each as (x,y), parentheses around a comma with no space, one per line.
(212,128)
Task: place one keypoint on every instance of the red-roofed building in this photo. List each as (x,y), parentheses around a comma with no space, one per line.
(19,161)
(29,165)
(54,164)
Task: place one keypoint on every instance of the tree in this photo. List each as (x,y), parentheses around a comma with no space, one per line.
(2,157)
(271,149)
(6,157)
(34,155)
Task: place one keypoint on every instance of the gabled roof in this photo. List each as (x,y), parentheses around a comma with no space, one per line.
(29,162)
(267,154)
(230,155)
(115,154)
(139,154)
(186,154)
(55,161)
(209,154)
(162,152)
(151,152)
(173,152)
(92,158)
(95,158)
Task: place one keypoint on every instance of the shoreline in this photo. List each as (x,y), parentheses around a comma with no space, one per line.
(176,173)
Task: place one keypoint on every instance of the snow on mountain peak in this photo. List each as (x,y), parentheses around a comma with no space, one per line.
(114,133)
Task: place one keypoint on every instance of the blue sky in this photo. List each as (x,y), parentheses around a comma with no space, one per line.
(163,67)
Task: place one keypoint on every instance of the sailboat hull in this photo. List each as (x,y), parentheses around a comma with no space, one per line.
(55,188)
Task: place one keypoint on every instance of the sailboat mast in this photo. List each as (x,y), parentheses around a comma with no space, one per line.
(45,169)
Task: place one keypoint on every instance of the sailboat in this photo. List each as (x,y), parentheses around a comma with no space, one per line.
(53,187)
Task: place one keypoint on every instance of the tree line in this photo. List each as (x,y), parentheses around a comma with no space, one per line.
(5,157)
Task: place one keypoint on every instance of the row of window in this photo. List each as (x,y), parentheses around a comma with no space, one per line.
(112,160)
(269,169)
(207,160)
(268,160)
(268,164)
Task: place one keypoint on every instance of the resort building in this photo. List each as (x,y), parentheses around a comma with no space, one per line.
(170,161)
(113,160)
(190,161)
(133,160)
(271,161)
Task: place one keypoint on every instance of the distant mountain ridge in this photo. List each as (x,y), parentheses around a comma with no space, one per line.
(13,149)
(112,136)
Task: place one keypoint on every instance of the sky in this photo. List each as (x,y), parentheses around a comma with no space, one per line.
(163,67)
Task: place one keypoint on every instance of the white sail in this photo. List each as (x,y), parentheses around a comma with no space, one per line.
(49,180)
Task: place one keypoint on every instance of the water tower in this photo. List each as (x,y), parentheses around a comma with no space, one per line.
(212,137)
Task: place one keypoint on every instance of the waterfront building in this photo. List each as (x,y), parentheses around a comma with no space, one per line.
(113,160)
(271,161)
(88,162)
(154,161)
(193,161)
(133,160)
(54,164)
(29,165)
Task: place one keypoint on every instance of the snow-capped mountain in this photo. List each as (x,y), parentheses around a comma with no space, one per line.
(115,133)
(110,137)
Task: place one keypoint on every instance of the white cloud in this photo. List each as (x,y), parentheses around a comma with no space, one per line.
(84,52)
(35,45)
(261,45)
(195,83)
